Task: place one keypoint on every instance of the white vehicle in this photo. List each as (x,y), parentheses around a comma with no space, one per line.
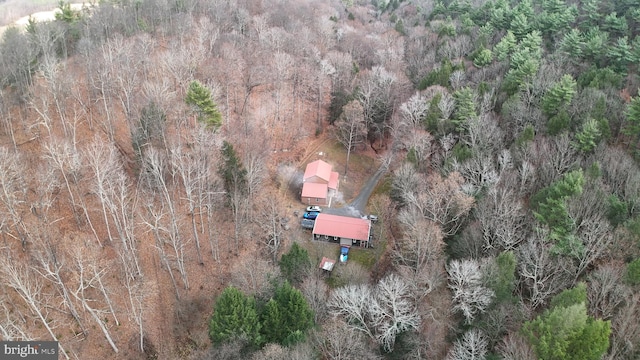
(314,209)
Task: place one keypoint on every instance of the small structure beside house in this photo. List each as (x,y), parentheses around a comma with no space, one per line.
(319,184)
(343,229)
(326,264)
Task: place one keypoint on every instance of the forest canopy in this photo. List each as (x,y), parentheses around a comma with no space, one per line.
(151,155)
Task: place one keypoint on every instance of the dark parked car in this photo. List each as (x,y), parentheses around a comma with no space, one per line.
(312,215)
(307,223)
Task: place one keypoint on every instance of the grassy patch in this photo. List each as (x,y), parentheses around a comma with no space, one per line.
(384,186)
(365,257)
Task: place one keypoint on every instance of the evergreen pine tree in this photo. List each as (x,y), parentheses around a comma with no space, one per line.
(234,315)
(200,97)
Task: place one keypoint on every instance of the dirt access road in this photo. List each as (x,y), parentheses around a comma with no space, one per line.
(356,207)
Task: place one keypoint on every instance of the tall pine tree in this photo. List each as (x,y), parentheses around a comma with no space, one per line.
(200,97)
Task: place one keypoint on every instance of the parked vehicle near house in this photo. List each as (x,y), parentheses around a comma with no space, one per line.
(344,254)
(312,215)
(314,208)
(307,224)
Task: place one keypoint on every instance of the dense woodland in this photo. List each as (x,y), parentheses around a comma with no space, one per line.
(148,151)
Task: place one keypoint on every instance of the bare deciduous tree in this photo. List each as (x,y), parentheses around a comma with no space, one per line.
(27,285)
(339,341)
(12,192)
(271,225)
(472,346)
(470,296)
(382,312)
(503,219)
(418,252)
(394,312)
(155,170)
(515,347)
(67,161)
(542,273)
(444,202)
(350,129)
(605,291)
(316,291)
(111,185)
(625,332)
(90,278)
(253,274)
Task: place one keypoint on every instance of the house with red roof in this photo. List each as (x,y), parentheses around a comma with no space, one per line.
(319,184)
(344,229)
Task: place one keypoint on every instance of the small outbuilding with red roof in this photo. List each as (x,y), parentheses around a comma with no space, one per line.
(319,183)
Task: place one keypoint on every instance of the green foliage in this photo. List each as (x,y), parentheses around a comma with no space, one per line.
(621,54)
(633,272)
(434,114)
(556,17)
(570,185)
(526,136)
(339,99)
(550,208)
(559,95)
(400,27)
(503,278)
(447,29)
(570,297)
(438,76)
(573,44)
(587,139)
(594,171)
(595,41)
(295,264)
(566,332)
(505,47)
(520,26)
(618,211)
(524,62)
(482,57)
(485,33)
(615,25)
(558,123)
(66,14)
(232,172)
(465,108)
(592,342)
(234,315)
(272,320)
(600,78)
(632,115)
(286,317)
(461,152)
(200,97)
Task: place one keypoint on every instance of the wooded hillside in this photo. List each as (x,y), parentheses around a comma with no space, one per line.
(149,153)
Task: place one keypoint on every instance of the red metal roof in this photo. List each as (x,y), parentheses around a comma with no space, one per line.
(318,168)
(314,190)
(327,264)
(333,181)
(342,226)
